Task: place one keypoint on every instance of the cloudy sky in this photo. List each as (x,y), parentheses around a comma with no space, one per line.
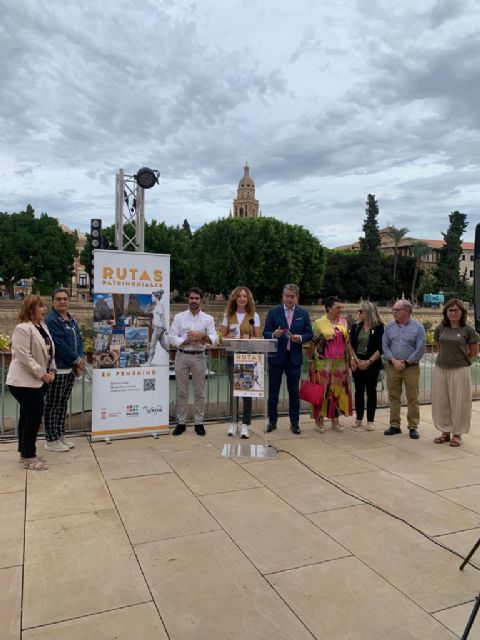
(327,101)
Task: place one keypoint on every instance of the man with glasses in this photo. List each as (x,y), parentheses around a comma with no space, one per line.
(403,345)
(69,358)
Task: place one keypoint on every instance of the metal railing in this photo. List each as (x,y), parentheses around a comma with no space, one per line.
(217,394)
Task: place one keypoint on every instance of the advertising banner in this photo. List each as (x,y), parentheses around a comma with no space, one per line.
(131,310)
(248,375)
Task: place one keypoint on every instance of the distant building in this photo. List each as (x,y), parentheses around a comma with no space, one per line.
(245,205)
(405,248)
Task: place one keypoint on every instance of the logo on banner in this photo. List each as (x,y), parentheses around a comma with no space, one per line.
(103,414)
(131,277)
(155,410)
(132,410)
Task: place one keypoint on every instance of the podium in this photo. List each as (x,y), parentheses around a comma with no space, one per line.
(253,353)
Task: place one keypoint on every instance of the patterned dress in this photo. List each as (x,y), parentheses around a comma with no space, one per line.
(330,370)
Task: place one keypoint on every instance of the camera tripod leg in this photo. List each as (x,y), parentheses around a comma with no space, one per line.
(465,562)
(471,620)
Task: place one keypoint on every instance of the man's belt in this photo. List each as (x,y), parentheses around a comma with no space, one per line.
(185,351)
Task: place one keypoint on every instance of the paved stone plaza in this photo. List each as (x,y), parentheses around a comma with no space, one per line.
(151,539)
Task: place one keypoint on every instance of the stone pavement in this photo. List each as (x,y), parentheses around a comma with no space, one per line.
(151,539)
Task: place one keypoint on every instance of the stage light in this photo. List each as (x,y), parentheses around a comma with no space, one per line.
(147,178)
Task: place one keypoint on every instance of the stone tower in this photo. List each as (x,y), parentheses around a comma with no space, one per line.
(245,205)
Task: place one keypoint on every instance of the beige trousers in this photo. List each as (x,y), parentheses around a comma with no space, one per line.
(452,400)
(410,377)
(186,364)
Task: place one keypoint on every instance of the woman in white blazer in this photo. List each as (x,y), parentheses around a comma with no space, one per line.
(32,368)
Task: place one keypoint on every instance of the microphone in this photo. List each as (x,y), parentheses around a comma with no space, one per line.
(251,321)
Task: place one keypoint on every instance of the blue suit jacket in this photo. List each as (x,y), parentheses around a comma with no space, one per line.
(301,325)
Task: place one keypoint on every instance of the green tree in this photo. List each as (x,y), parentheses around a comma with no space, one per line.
(35,248)
(262,253)
(397,234)
(420,249)
(340,275)
(448,271)
(370,264)
(160,238)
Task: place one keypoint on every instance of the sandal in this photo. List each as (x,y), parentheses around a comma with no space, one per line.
(41,458)
(336,426)
(456,441)
(319,425)
(445,437)
(35,464)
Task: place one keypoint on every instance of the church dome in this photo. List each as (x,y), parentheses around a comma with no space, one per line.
(246,182)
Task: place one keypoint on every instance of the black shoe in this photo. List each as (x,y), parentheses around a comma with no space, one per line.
(200,430)
(414,435)
(294,428)
(270,427)
(179,429)
(392,431)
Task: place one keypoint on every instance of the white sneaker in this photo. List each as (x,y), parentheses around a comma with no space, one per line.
(56,446)
(232,430)
(358,423)
(67,443)
(244,433)
(370,426)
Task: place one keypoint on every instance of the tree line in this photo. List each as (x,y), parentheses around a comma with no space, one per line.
(262,253)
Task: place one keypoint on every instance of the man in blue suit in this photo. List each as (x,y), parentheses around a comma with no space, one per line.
(292,327)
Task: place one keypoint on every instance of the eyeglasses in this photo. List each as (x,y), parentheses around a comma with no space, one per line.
(397,310)
(453,310)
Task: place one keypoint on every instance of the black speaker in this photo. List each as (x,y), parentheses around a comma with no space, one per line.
(476,278)
(96,243)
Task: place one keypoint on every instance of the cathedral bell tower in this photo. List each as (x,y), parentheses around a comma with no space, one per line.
(245,205)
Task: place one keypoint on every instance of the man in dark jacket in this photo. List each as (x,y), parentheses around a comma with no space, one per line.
(291,325)
(69,358)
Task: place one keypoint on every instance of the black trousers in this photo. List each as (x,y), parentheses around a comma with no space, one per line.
(32,403)
(292,373)
(366,382)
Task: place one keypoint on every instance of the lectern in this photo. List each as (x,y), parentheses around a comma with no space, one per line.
(249,379)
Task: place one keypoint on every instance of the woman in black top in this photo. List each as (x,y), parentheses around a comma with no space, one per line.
(366,339)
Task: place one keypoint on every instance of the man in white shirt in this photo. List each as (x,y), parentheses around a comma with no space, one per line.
(191,330)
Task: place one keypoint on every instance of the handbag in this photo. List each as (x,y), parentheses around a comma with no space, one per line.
(311,392)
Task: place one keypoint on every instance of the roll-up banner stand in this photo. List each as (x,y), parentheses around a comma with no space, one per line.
(131,311)
(476,278)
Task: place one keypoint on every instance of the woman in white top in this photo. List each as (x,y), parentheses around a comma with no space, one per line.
(240,321)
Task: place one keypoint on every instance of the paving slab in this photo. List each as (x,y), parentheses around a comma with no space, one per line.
(10,602)
(138,622)
(428,511)
(409,561)
(345,600)
(129,458)
(205,589)
(298,486)
(456,619)
(12,473)
(78,565)
(468,497)
(270,533)
(324,458)
(206,471)
(462,542)
(12,521)
(158,507)
(66,489)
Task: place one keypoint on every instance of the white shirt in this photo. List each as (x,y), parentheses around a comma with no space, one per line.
(186,321)
(158,312)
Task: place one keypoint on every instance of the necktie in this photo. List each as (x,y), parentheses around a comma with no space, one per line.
(289,322)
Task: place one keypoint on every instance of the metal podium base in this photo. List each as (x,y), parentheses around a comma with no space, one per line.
(249,451)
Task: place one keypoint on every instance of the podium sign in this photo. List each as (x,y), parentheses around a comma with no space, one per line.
(249,380)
